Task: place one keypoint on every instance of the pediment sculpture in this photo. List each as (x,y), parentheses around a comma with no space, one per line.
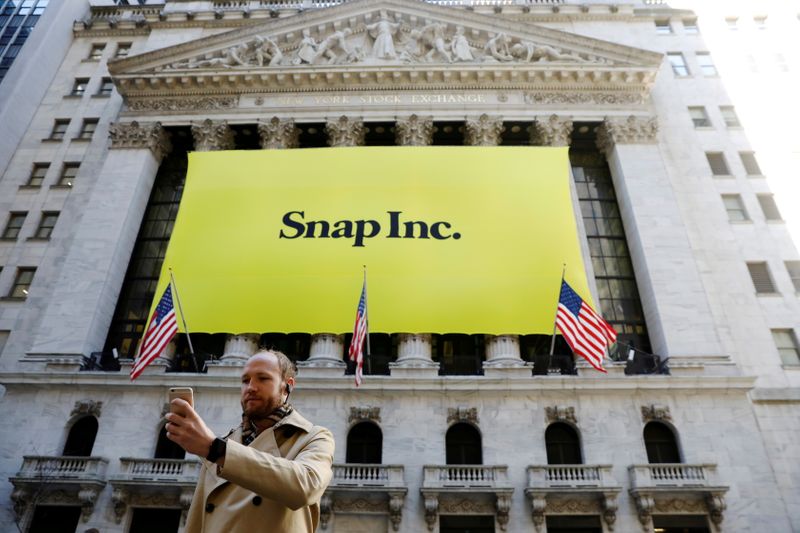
(386,41)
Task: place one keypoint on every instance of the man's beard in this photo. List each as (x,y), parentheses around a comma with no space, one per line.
(260,412)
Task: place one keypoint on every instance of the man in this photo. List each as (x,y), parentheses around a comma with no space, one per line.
(269,473)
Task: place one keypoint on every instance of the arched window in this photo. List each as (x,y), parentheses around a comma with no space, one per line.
(80,440)
(563,445)
(166,449)
(463,443)
(365,444)
(661,444)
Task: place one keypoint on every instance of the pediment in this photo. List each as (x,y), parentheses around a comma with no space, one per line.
(385,43)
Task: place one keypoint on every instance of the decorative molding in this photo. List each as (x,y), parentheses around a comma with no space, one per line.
(145,135)
(679,505)
(654,412)
(414,131)
(538,508)
(277,134)
(645,503)
(630,130)
(345,131)
(608,503)
(211,135)
(358,506)
(87,407)
(325,510)
(484,131)
(465,506)
(552,131)
(184,103)
(560,413)
(363,414)
(431,509)
(396,502)
(462,414)
(716,506)
(573,506)
(584,97)
(503,507)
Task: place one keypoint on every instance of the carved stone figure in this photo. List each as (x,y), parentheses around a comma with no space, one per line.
(336,41)
(267,50)
(411,47)
(460,47)
(497,47)
(528,51)
(307,51)
(433,34)
(383,32)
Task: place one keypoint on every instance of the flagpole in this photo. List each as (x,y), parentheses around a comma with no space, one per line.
(555,320)
(183,318)
(366,322)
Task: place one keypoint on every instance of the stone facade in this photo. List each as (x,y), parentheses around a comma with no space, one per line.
(550,65)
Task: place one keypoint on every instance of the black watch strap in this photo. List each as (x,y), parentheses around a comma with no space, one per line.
(217,450)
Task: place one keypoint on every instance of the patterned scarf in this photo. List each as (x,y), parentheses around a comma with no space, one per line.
(250,431)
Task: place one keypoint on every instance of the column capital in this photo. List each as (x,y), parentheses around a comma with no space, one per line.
(414,131)
(552,131)
(137,135)
(626,130)
(210,135)
(345,131)
(484,130)
(278,133)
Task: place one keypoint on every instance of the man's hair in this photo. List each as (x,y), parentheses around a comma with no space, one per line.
(287,366)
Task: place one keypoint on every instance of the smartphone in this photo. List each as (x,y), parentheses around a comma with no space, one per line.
(184,393)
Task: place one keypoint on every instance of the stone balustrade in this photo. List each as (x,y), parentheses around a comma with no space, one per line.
(465,476)
(160,470)
(569,476)
(367,476)
(42,467)
(672,475)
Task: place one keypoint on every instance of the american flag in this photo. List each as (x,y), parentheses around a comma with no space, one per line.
(584,330)
(359,334)
(162,327)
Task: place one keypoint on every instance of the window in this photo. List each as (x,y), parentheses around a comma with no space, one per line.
(786,342)
(759,273)
(59,129)
(22,283)
(97,51)
(166,449)
(68,173)
(769,207)
(729,116)
(38,173)
(106,87)
(661,444)
(123,49)
(364,444)
(663,27)
(46,225)
(690,27)
(699,117)
(735,208)
(563,445)
(750,163)
(4,334)
(719,167)
(463,443)
(80,439)
(706,64)
(153,519)
(87,128)
(793,268)
(14,225)
(79,87)
(458,354)
(678,63)
(45,516)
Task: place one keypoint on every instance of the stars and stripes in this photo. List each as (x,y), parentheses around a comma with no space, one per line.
(356,350)
(162,327)
(584,330)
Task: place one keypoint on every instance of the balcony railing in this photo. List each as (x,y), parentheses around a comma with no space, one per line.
(465,476)
(43,468)
(158,470)
(367,476)
(673,475)
(569,476)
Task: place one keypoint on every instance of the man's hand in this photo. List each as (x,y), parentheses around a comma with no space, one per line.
(187,429)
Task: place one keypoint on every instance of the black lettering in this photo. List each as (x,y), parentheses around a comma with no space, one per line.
(343,228)
(436,233)
(324,226)
(423,229)
(361,234)
(394,224)
(297,226)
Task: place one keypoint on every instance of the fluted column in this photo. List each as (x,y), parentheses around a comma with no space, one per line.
(552,131)
(327,350)
(502,351)
(239,348)
(210,135)
(277,134)
(167,355)
(77,315)
(345,131)
(678,322)
(484,130)
(414,351)
(414,131)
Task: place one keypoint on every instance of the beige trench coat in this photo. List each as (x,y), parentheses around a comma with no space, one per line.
(273,485)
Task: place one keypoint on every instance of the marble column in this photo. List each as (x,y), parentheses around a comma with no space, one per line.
(76,318)
(484,131)
(325,357)
(278,134)
(676,308)
(210,135)
(414,131)
(552,131)
(239,348)
(345,131)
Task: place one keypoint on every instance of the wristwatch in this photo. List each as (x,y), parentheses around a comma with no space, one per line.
(217,450)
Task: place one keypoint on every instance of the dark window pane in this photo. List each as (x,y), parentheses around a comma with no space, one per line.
(660,443)
(80,440)
(463,444)
(364,444)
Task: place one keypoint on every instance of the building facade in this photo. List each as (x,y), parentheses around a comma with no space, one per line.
(684,207)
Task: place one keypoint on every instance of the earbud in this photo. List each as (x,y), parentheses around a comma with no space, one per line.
(288,388)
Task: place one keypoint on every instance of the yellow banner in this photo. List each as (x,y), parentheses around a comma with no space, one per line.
(455,239)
